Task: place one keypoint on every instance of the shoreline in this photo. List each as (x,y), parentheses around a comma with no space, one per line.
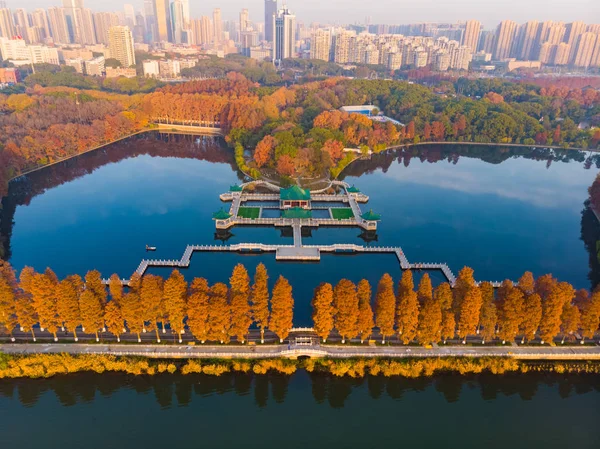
(50,365)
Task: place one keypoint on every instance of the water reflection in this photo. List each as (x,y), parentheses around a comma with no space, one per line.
(590,234)
(179,391)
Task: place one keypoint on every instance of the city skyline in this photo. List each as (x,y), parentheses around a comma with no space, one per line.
(386,11)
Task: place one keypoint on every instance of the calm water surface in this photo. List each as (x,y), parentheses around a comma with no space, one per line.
(479,206)
(115,411)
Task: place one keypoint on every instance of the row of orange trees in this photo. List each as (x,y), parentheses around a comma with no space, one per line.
(534,308)
(543,308)
(216,313)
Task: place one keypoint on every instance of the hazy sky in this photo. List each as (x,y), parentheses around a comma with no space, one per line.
(490,12)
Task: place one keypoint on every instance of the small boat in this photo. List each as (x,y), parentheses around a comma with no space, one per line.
(150,248)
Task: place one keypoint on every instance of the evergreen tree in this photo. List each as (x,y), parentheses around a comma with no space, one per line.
(282,309)
(260,299)
(345,302)
(385,305)
(488,318)
(68,292)
(219,315)
(323,310)
(175,295)
(241,315)
(407,309)
(365,311)
(198,309)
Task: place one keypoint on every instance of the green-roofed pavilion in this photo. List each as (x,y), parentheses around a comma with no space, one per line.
(294,197)
(353,189)
(371,216)
(235,188)
(297,212)
(221,215)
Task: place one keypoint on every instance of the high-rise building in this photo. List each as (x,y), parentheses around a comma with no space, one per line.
(103,21)
(344,43)
(70,6)
(217,26)
(58,26)
(163,21)
(7,26)
(561,55)
(585,49)
(129,13)
(284,35)
(244,20)
(83,18)
(178,24)
(40,20)
(121,45)
(21,21)
(574,30)
(471,34)
(186,13)
(505,37)
(320,45)
(526,39)
(270,12)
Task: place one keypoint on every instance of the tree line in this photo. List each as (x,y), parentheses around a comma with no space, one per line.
(542,308)
(150,303)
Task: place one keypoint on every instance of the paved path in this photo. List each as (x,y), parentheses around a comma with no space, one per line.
(284,351)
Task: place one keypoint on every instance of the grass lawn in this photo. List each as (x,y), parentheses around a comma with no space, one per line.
(249,212)
(342,213)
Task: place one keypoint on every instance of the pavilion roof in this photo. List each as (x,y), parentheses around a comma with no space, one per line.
(371,216)
(235,188)
(221,215)
(297,212)
(353,189)
(295,193)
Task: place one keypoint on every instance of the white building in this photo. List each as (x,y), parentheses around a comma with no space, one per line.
(95,66)
(284,35)
(151,68)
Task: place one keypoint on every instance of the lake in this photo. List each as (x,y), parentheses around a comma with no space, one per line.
(501,211)
(301,411)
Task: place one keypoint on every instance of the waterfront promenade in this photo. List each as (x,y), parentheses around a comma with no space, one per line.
(294,351)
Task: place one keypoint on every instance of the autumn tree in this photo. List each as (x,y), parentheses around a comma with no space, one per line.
(443,295)
(113,318)
(26,315)
(151,298)
(175,296)
(488,316)
(219,314)
(531,317)
(464,282)
(385,305)
(8,316)
(365,311)
(198,309)
(241,316)
(43,291)
(430,317)
(425,291)
(260,299)
(407,309)
(510,311)
(345,302)
(323,310)
(68,292)
(552,306)
(569,321)
(527,283)
(282,309)
(264,150)
(91,303)
(115,288)
(335,149)
(131,309)
(590,315)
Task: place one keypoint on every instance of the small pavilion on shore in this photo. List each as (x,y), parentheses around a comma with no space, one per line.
(294,197)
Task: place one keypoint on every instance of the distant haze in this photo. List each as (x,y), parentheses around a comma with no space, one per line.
(489,12)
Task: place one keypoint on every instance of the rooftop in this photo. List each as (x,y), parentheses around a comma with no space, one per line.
(221,215)
(371,216)
(295,193)
(297,212)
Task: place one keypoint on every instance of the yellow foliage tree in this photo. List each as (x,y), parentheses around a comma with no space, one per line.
(345,302)
(385,305)
(365,311)
(323,310)
(282,309)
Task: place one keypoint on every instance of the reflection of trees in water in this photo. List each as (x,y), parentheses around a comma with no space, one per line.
(155,144)
(174,390)
(590,234)
(453,153)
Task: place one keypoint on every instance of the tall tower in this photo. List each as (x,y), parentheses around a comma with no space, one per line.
(217,26)
(178,22)
(162,16)
(270,12)
(121,45)
(244,20)
(505,36)
(284,35)
(471,35)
